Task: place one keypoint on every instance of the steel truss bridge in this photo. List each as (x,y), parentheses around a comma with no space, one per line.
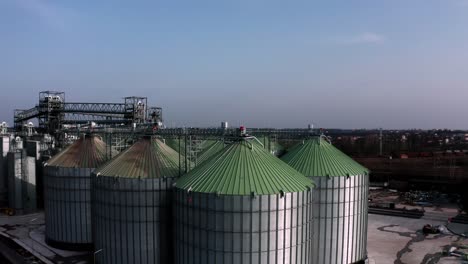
(54,113)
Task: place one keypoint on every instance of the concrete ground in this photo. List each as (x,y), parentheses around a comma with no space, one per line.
(398,240)
(28,231)
(392,240)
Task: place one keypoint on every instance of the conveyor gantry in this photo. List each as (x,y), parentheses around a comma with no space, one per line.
(53,112)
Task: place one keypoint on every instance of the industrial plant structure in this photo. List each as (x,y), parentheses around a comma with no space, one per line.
(21,169)
(54,113)
(242,205)
(4,148)
(340,200)
(19,175)
(132,204)
(216,196)
(67,190)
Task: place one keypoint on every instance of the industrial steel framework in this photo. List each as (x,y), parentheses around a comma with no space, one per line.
(192,150)
(53,112)
(154,115)
(190,139)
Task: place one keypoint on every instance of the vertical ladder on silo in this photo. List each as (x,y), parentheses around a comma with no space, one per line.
(272,143)
(193,149)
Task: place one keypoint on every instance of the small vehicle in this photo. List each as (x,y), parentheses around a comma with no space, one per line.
(429,229)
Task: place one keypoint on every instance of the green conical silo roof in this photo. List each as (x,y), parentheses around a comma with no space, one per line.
(176,144)
(147,158)
(317,157)
(209,149)
(244,168)
(266,142)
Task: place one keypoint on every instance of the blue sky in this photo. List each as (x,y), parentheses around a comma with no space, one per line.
(341,64)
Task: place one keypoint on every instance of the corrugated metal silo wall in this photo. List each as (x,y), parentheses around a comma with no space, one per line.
(4,148)
(242,229)
(29,182)
(340,219)
(67,204)
(15,164)
(132,220)
(3,180)
(21,182)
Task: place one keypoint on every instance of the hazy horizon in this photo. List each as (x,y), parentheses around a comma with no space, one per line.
(365,64)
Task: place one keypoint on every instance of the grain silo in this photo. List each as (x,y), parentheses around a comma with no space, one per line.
(210,148)
(131,204)
(271,145)
(4,148)
(21,181)
(340,200)
(177,144)
(243,205)
(67,191)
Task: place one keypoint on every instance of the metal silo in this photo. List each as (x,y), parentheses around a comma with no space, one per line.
(4,148)
(67,191)
(243,205)
(210,148)
(340,200)
(177,144)
(21,181)
(131,204)
(271,145)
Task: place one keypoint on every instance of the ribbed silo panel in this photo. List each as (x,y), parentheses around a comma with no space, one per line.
(340,219)
(212,228)
(132,220)
(67,204)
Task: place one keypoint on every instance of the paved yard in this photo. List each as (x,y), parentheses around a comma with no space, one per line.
(391,240)
(397,240)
